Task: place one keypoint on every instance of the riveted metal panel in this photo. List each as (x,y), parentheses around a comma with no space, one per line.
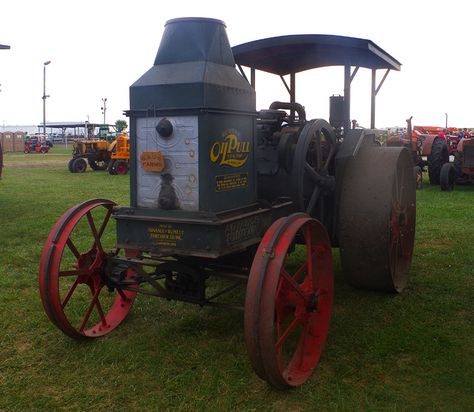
(181,154)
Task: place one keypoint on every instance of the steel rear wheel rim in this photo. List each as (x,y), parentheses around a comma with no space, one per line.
(381,184)
(402,223)
(294,303)
(72,285)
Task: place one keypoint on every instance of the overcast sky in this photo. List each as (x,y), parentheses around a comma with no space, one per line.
(99,48)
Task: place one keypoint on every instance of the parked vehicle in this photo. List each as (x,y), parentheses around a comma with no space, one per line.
(461,171)
(120,158)
(36,145)
(428,147)
(256,198)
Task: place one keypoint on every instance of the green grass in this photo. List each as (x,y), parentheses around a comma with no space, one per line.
(409,352)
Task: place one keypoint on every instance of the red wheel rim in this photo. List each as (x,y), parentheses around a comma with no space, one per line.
(121,168)
(288,305)
(72,277)
(402,226)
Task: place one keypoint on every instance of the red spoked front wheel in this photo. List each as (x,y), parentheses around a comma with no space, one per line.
(288,304)
(74,276)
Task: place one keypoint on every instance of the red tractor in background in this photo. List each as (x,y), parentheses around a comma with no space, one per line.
(461,171)
(424,142)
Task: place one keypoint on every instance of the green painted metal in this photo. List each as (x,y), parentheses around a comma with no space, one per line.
(206,112)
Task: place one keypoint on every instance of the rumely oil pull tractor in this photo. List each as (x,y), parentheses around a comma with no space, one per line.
(223,195)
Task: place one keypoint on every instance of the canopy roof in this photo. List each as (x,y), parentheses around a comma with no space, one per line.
(295,53)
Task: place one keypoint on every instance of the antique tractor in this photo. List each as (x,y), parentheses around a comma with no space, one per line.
(223,195)
(120,157)
(461,171)
(428,150)
(95,152)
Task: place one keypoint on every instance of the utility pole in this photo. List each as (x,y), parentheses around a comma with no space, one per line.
(44,98)
(104,107)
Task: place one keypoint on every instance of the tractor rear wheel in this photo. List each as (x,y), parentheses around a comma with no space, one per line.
(288,304)
(74,282)
(121,167)
(98,164)
(118,167)
(78,165)
(69,165)
(447,177)
(438,157)
(377,212)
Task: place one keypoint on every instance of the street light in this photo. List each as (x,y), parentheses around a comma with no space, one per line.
(44,97)
(104,107)
(446,114)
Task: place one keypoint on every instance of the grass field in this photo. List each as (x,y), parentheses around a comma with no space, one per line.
(409,352)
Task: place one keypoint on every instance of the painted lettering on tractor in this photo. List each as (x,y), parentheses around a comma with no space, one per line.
(231,151)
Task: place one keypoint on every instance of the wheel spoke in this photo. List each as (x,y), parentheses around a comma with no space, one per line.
(312,174)
(75,272)
(73,248)
(313,200)
(319,154)
(292,282)
(332,150)
(96,243)
(300,271)
(69,293)
(88,312)
(309,256)
(101,312)
(104,223)
(283,337)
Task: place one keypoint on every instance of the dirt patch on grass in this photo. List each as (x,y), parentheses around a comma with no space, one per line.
(17,164)
(438,244)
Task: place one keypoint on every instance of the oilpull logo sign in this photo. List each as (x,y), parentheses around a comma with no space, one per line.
(231,151)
